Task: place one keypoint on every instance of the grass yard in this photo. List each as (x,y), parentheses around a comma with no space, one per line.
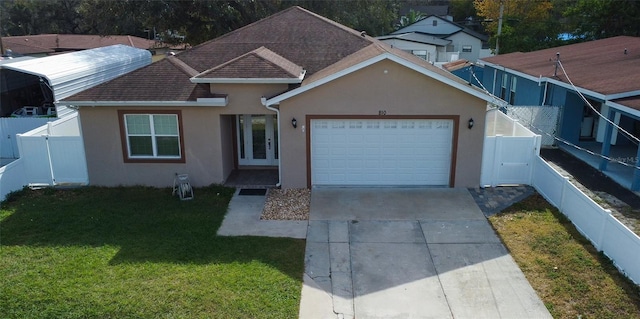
(571,277)
(139,253)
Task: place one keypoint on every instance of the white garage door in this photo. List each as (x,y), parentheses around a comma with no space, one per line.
(381,152)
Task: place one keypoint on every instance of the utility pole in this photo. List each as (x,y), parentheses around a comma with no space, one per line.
(499,27)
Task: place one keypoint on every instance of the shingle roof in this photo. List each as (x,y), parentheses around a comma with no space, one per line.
(278,46)
(632,102)
(417,37)
(259,63)
(48,43)
(164,80)
(301,37)
(600,66)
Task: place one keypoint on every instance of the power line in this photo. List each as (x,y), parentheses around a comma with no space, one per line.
(626,134)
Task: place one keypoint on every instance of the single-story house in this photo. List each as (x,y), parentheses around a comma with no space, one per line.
(322,103)
(596,84)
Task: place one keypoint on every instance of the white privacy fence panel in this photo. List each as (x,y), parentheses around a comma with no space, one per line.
(68,160)
(9,127)
(12,178)
(508,160)
(543,120)
(498,123)
(54,160)
(35,158)
(604,231)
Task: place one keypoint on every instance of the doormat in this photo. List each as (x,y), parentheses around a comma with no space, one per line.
(253,191)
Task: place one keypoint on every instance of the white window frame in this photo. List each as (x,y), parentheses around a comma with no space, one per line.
(467,48)
(512,96)
(153,135)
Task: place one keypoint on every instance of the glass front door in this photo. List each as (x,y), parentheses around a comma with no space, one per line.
(257,139)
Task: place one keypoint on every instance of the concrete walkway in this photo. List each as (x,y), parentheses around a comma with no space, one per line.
(408,253)
(243,219)
(398,253)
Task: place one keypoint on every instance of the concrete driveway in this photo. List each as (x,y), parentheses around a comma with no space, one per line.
(408,253)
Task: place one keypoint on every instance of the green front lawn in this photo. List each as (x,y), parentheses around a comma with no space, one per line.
(139,252)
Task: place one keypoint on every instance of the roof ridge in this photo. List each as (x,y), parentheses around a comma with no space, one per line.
(257,53)
(185,68)
(277,14)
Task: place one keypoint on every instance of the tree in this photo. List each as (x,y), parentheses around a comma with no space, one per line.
(526,26)
(597,19)
(411,18)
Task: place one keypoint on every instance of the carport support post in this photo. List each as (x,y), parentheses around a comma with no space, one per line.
(606,142)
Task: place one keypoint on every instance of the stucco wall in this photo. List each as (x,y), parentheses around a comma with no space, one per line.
(384,86)
(207,135)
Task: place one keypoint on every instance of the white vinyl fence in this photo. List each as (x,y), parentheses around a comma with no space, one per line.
(508,151)
(9,127)
(50,155)
(604,231)
(511,155)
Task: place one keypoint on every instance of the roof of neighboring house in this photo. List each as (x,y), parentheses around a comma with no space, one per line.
(280,46)
(417,37)
(456,65)
(600,66)
(437,31)
(49,43)
(632,102)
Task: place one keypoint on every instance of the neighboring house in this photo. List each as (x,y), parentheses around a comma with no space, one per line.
(606,72)
(325,104)
(41,45)
(438,39)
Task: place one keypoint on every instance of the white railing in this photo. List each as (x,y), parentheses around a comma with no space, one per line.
(605,232)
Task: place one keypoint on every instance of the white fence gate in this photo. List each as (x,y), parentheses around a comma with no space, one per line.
(508,152)
(50,155)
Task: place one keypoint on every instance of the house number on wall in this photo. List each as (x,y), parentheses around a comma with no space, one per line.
(382,112)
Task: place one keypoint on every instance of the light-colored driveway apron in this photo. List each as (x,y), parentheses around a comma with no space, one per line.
(408,253)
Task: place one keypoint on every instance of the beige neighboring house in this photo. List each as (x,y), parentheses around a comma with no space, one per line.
(324,104)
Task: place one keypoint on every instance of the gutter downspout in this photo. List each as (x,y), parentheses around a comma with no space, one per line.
(263,100)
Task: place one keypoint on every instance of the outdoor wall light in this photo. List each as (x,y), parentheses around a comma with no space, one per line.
(294,123)
(470,123)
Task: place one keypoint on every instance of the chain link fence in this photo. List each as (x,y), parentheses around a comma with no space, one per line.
(543,120)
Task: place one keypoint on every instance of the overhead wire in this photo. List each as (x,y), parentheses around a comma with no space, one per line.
(559,139)
(626,134)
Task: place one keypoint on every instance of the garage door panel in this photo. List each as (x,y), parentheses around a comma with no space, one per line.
(381,152)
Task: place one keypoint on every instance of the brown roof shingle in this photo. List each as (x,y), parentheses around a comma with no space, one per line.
(300,36)
(48,43)
(160,81)
(601,66)
(259,63)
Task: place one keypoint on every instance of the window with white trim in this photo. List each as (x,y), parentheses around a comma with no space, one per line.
(152,136)
(512,96)
(503,90)
(467,48)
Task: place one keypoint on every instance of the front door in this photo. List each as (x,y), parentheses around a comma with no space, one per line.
(257,139)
